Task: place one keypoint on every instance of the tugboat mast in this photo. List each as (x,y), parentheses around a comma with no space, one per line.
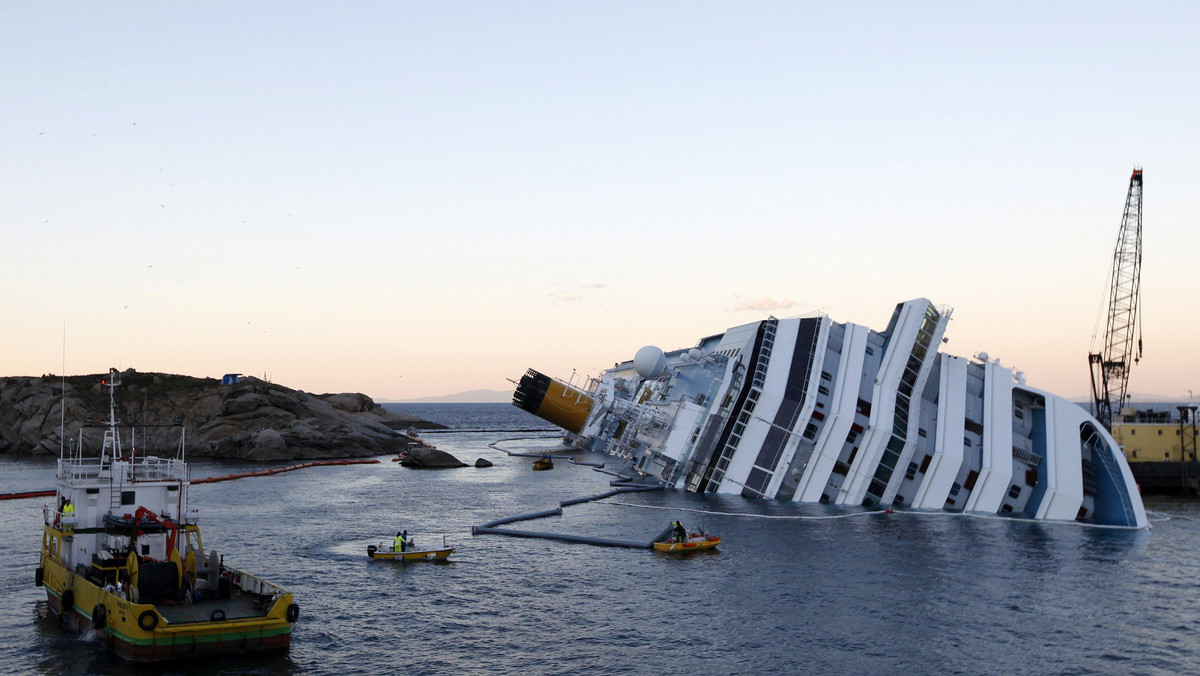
(112,440)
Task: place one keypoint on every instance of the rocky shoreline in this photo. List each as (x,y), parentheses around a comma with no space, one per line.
(250,420)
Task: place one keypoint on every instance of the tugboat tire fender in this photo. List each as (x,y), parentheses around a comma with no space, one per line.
(148,620)
(66,602)
(217,615)
(99,616)
(293,613)
(37,576)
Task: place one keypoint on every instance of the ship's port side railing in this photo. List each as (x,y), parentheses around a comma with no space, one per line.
(149,468)
(255,585)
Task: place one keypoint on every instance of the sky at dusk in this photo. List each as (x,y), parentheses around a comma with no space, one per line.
(414,199)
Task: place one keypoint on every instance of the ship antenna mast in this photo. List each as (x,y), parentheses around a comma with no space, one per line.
(1111,365)
(112,439)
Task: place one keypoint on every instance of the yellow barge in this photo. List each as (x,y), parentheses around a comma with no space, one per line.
(1160,447)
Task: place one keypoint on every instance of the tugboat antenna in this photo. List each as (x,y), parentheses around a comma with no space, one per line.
(62,399)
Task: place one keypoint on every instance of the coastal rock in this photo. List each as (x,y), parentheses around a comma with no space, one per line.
(427,457)
(483,463)
(350,402)
(268,445)
(249,420)
(247,402)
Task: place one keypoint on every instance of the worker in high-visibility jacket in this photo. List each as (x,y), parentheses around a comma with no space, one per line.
(68,509)
(401,542)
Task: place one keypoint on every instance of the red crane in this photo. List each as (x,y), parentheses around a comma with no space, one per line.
(171,527)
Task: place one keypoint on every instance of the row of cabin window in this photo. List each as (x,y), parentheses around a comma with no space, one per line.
(1166,455)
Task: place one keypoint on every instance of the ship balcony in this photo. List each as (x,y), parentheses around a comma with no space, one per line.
(60,521)
(150,468)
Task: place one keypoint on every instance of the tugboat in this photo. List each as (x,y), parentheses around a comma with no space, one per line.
(543,463)
(122,555)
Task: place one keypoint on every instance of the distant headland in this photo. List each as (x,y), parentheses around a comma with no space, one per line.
(247,418)
(468,397)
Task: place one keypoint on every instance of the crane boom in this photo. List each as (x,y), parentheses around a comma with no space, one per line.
(1123,330)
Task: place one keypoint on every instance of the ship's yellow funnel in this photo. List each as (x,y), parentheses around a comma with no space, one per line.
(553,401)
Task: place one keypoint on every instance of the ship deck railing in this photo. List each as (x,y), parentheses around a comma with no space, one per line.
(256,585)
(149,468)
(63,522)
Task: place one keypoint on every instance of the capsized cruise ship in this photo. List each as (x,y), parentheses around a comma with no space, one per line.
(810,410)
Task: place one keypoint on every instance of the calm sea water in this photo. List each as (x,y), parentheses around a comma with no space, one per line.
(821,590)
(475,417)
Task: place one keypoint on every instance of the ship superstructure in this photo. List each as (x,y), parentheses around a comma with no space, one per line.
(810,410)
(122,553)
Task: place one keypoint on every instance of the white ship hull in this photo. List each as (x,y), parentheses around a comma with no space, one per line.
(811,410)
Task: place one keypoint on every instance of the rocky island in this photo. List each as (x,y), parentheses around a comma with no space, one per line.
(250,419)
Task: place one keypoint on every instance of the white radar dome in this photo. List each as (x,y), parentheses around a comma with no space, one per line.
(650,362)
(695,354)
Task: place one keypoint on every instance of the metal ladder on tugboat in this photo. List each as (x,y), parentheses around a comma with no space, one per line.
(114,493)
(111,450)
